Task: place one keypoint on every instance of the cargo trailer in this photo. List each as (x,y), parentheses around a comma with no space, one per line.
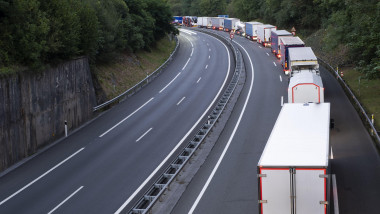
(302,59)
(240,28)
(285,44)
(306,87)
(217,23)
(293,169)
(200,22)
(177,20)
(264,34)
(230,24)
(251,30)
(275,40)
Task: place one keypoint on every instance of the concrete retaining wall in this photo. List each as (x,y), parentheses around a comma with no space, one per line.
(33,108)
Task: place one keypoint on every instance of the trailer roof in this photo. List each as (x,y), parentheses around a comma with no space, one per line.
(302,54)
(292,41)
(282,33)
(254,23)
(300,137)
(266,26)
(305,77)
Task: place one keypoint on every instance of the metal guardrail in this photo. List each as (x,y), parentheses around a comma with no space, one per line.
(142,83)
(151,196)
(372,130)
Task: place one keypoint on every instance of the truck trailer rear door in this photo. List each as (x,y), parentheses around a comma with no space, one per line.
(293,191)
(275,191)
(310,191)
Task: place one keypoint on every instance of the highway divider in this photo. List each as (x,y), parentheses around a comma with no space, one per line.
(358,106)
(152,195)
(131,91)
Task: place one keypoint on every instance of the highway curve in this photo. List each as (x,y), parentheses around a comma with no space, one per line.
(105,166)
(227,181)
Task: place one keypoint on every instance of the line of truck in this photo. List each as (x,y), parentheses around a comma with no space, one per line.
(293,171)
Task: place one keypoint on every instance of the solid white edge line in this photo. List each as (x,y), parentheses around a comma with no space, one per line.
(282,100)
(199,79)
(335,194)
(72,194)
(183,139)
(186,64)
(229,141)
(189,41)
(179,102)
(144,134)
(192,50)
(41,176)
(280,78)
(126,117)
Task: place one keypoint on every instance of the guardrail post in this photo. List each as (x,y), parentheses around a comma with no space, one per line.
(65,128)
(373,123)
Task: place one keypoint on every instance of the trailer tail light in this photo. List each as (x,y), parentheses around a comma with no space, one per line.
(279,56)
(287,72)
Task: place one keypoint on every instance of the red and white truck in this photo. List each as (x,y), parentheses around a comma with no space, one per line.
(305,84)
(264,34)
(306,87)
(293,168)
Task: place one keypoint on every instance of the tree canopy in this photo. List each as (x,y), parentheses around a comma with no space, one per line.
(35,32)
(350,25)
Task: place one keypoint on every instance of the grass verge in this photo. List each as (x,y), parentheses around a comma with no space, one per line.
(127,69)
(366,91)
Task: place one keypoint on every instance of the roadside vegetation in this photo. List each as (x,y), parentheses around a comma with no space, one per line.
(35,33)
(366,90)
(127,69)
(349,28)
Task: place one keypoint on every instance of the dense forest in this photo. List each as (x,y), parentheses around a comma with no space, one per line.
(350,28)
(37,32)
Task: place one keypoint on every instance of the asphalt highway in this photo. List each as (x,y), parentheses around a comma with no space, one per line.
(105,166)
(227,181)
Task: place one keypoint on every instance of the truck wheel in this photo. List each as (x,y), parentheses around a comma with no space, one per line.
(332,123)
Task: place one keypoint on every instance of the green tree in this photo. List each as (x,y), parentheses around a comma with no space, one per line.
(212,7)
(25,33)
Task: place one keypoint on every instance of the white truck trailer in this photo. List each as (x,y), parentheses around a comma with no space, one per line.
(293,168)
(207,22)
(240,28)
(251,30)
(200,22)
(264,34)
(302,59)
(306,87)
(217,23)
